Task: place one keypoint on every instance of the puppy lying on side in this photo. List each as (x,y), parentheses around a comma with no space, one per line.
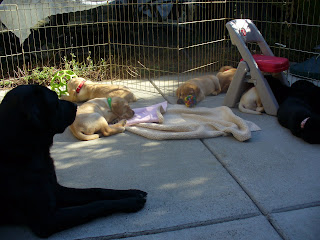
(93,117)
(206,85)
(199,87)
(30,192)
(250,102)
(225,76)
(81,90)
(300,112)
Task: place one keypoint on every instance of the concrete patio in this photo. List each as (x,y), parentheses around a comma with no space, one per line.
(217,188)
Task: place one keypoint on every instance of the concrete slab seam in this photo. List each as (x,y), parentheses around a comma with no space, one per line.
(296,207)
(173,228)
(278,228)
(261,208)
(289,209)
(263,211)
(274,222)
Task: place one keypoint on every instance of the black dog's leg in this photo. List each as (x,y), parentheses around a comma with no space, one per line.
(73,197)
(45,224)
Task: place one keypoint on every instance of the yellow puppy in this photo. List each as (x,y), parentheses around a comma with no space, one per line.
(250,102)
(225,76)
(199,87)
(93,116)
(81,90)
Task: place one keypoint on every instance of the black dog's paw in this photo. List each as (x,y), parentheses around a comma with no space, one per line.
(136,193)
(133,204)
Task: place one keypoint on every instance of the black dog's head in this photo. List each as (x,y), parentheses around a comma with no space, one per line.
(36,109)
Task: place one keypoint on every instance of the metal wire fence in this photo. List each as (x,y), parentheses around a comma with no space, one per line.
(137,41)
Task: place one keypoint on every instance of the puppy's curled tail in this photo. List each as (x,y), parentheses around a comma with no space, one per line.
(134,98)
(246,110)
(81,136)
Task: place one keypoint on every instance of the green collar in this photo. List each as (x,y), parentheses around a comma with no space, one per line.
(109,103)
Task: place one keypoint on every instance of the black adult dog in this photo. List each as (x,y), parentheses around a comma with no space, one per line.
(29,118)
(300,111)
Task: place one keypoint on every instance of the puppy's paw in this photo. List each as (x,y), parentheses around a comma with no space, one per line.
(180,101)
(122,122)
(215,93)
(260,109)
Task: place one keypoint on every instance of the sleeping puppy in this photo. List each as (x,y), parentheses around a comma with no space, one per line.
(94,115)
(300,112)
(225,76)
(199,87)
(250,102)
(30,193)
(81,90)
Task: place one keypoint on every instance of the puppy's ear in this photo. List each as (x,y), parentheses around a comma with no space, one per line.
(196,90)
(178,91)
(114,105)
(116,108)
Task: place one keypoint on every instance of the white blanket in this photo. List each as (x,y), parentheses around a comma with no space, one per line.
(180,122)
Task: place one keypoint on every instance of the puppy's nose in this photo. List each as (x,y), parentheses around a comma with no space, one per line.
(133,112)
(180,101)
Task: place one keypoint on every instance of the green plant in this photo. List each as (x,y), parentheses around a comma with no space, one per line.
(5,83)
(79,68)
(41,76)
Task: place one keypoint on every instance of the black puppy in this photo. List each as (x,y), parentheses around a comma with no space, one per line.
(29,118)
(299,112)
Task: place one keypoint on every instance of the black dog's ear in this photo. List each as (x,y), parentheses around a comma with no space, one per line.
(34,116)
(31,115)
